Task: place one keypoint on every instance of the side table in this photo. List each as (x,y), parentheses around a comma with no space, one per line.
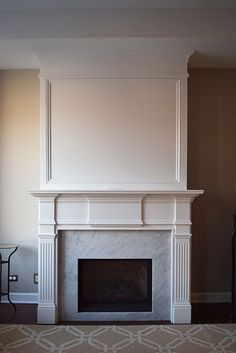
(12,249)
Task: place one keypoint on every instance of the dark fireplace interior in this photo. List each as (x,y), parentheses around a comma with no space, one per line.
(112,285)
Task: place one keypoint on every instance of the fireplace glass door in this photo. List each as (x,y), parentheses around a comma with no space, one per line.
(110,285)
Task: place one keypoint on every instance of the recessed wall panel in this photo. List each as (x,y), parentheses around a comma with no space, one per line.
(116,131)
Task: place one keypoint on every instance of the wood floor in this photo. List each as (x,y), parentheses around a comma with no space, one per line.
(201,314)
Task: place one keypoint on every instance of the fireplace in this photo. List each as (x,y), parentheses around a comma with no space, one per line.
(111,285)
(113,172)
(161,232)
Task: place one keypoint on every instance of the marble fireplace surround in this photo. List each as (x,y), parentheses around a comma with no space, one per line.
(114,244)
(115,211)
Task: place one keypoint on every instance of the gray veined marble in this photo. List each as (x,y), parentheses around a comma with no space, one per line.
(106,244)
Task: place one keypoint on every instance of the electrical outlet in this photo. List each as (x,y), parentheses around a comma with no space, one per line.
(36,278)
(13,278)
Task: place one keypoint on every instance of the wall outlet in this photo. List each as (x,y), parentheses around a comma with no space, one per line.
(13,278)
(36,278)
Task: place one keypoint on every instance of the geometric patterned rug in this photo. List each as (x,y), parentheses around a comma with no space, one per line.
(207,338)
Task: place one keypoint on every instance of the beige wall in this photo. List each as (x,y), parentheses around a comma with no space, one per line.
(212,167)
(211,158)
(19,161)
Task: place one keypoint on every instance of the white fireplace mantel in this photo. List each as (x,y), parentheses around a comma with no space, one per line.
(114,154)
(115,210)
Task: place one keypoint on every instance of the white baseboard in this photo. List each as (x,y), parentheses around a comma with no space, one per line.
(206,297)
(211,297)
(22,298)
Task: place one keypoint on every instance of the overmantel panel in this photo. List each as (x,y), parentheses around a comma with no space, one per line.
(114,121)
(114,131)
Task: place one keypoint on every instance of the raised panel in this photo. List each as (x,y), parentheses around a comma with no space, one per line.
(109,132)
(157,210)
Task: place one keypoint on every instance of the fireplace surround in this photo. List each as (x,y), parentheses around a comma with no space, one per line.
(138,212)
(118,245)
(114,159)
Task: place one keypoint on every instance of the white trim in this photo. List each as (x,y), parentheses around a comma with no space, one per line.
(151,187)
(211,297)
(181,313)
(178,132)
(110,63)
(48,132)
(52,194)
(47,313)
(22,298)
(206,297)
(150,63)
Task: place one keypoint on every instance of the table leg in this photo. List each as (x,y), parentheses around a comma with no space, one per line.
(8,275)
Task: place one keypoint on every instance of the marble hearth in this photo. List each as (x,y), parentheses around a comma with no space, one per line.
(153,225)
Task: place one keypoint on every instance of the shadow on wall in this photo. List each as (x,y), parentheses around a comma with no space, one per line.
(212,167)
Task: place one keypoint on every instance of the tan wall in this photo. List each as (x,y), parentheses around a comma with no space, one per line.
(19,161)
(212,167)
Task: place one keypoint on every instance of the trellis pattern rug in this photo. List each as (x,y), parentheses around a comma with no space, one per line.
(219,338)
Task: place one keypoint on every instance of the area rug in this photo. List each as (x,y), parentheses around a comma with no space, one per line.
(219,338)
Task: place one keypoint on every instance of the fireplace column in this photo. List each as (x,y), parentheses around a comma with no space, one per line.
(181,261)
(47,261)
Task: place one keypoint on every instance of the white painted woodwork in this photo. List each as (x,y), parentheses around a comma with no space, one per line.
(47,307)
(114,154)
(107,117)
(117,210)
(181,278)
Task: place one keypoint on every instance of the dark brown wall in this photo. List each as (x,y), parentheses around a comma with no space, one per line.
(212,167)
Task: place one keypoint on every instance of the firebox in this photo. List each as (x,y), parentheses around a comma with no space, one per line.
(114,285)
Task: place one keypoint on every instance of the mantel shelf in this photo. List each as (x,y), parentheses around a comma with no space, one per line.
(38,193)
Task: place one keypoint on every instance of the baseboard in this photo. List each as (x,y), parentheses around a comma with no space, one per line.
(211,297)
(22,298)
(206,297)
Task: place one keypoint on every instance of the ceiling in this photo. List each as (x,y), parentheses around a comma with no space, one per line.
(62,4)
(205,27)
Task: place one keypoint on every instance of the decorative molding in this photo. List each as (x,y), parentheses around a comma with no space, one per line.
(150,188)
(202,297)
(49,184)
(45,130)
(22,298)
(114,63)
(79,226)
(180,194)
(178,134)
(109,209)
(47,313)
(182,275)
(48,134)
(114,222)
(48,271)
